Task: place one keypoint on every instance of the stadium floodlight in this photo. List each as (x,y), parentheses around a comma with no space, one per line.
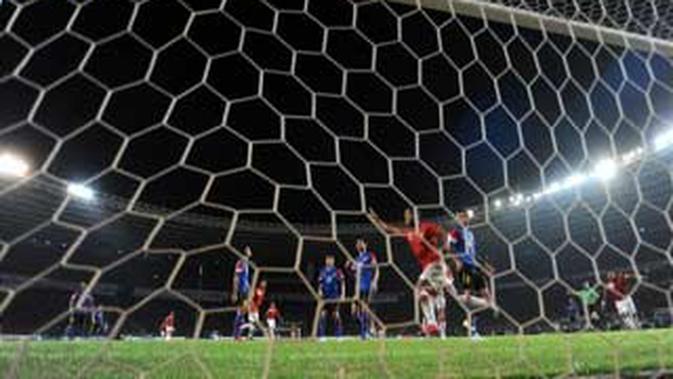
(470,213)
(663,141)
(81,191)
(553,188)
(632,156)
(605,169)
(498,204)
(517,199)
(12,165)
(575,180)
(628,158)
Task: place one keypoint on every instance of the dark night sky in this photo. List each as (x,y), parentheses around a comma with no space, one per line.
(278,123)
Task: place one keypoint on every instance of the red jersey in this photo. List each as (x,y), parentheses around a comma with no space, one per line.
(272,313)
(423,243)
(620,284)
(169,322)
(257,299)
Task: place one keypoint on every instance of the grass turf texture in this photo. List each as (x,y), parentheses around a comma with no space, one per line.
(511,356)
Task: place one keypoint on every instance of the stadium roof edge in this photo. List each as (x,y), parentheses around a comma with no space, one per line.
(536,20)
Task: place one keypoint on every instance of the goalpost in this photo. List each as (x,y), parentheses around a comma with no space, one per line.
(590,20)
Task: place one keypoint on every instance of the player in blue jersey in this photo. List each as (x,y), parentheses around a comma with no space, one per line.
(331,287)
(241,281)
(366,280)
(81,308)
(474,274)
(99,326)
(241,288)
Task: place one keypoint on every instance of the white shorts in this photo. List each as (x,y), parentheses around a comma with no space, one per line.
(626,306)
(167,331)
(253,317)
(437,276)
(271,323)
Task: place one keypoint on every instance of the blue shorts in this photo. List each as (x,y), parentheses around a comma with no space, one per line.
(332,307)
(365,293)
(242,295)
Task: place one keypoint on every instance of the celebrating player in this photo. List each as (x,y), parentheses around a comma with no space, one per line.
(366,280)
(425,243)
(272,316)
(474,275)
(167,326)
(331,287)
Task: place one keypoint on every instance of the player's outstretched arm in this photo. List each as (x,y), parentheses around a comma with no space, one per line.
(383,225)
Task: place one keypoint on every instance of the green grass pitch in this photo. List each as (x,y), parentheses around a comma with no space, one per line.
(548,355)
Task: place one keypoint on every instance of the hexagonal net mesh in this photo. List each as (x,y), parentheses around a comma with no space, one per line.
(650,18)
(162,137)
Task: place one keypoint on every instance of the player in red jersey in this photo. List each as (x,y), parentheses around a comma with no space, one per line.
(254,307)
(618,291)
(167,326)
(272,316)
(426,242)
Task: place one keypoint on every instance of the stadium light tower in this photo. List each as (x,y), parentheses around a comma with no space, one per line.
(575,180)
(605,169)
(81,191)
(12,165)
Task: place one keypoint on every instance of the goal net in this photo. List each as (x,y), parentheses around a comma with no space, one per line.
(145,144)
(648,18)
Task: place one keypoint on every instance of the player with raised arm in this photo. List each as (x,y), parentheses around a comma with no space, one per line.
(241,287)
(474,274)
(331,287)
(366,279)
(435,278)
